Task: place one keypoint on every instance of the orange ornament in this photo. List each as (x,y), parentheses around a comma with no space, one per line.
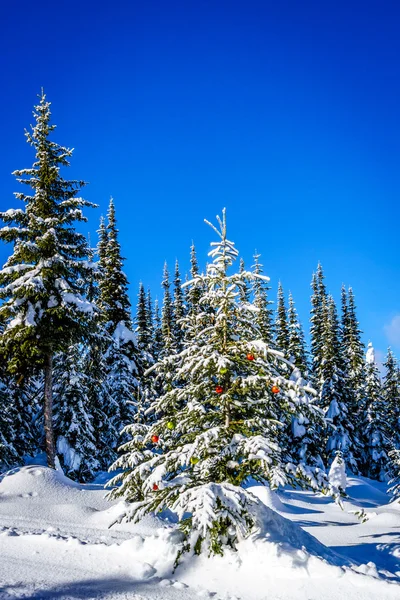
(250,356)
(154,439)
(219,389)
(155,487)
(275,389)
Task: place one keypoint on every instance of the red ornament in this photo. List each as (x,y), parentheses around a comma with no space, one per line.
(275,389)
(250,356)
(219,389)
(154,439)
(155,487)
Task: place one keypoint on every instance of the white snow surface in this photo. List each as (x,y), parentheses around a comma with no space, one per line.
(55,544)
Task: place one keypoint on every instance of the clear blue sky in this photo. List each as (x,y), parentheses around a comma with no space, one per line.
(287,113)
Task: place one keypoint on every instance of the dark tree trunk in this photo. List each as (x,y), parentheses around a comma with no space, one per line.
(48,412)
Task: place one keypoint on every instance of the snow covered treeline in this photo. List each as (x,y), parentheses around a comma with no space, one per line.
(188,400)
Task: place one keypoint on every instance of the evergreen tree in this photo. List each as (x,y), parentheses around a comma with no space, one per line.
(103,407)
(179,309)
(193,294)
(23,406)
(167,316)
(263,316)
(44,308)
(353,350)
(114,298)
(391,397)
(297,346)
(220,426)
(158,336)
(281,323)
(101,252)
(318,310)
(244,290)
(102,247)
(122,364)
(150,317)
(121,354)
(333,395)
(8,453)
(394,469)
(376,442)
(74,431)
(143,330)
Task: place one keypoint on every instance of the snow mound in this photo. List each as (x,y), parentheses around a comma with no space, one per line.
(37,481)
(366,491)
(47,519)
(269,498)
(284,552)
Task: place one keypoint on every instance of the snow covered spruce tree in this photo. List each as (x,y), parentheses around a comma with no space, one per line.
(353,351)
(391,397)
(264,314)
(376,444)
(8,453)
(192,295)
(144,332)
(281,323)
(317,318)
(333,396)
(44,308)
(121,355)
(179,309)
(167,316)
(157,344)
(73,421)
(297,346)
(219,427)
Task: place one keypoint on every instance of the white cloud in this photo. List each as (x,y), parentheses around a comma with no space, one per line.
(392,331)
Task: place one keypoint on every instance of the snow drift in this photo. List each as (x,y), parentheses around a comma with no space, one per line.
(45,518)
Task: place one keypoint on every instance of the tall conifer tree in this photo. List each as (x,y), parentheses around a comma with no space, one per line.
(264,314)
(333,395)
(391,397)
(41,284)
(113,285)
(297,347)
(281,323)
(318,310)
(74,429)
(376,432)
(179,309)
(167,316)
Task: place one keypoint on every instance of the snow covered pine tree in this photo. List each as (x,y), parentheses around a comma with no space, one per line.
(42,283)
(217,426)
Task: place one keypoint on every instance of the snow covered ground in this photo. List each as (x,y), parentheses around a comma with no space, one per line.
(55,543)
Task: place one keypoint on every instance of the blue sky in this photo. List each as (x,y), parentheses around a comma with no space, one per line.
(287,113)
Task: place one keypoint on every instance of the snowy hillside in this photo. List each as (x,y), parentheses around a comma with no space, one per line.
(55,543)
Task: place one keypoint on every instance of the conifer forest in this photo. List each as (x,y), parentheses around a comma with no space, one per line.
(189,402)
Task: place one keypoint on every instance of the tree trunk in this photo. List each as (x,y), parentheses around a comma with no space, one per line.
(48,412)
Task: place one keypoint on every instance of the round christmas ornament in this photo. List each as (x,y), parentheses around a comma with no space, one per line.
(219,389)
(275,389)
(154,439)
(250,356)
(170,425)
(155,487)
(223,371)
(194,460)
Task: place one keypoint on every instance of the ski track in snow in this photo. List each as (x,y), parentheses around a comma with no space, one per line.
(55,544)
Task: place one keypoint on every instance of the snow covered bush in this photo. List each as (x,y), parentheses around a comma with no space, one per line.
(337,474)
